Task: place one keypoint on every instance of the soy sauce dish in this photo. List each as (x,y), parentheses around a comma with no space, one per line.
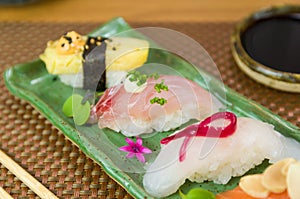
(266,46)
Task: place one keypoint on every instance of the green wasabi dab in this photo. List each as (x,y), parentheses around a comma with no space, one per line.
(197,193)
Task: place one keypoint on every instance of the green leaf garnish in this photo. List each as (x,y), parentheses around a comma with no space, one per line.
(158,100)
(73,107)
(154,75)
(197,193)
(139,78)
(161,86)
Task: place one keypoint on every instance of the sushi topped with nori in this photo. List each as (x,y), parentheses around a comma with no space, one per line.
(68,57)
(94,67)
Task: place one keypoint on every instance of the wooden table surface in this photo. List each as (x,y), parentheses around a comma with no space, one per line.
(135,10)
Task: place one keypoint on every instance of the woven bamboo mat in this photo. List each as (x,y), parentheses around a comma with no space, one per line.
(33,142)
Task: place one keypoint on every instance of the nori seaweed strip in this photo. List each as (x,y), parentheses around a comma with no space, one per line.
(69,39)
(91,43)
(94,73)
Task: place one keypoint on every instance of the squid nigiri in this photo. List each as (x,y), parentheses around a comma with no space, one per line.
(150,109)
(215,158)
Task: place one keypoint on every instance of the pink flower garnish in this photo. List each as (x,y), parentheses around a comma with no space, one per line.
(135,149)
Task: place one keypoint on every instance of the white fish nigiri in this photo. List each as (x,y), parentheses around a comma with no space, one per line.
(217,159)
(132,113)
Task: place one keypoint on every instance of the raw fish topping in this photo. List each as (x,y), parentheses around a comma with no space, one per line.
(133,113)
(204,128)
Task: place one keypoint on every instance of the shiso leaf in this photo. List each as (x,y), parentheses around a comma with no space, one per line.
(197,193)
(74,107)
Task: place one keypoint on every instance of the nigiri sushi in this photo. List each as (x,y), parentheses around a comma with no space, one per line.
(66,56)
(147,110)
(216,159)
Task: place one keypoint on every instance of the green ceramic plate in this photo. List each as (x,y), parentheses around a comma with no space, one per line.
(31,82)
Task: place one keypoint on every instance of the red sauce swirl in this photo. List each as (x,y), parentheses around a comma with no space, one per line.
(204,129)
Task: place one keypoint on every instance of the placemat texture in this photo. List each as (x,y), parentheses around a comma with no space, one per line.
(33,142)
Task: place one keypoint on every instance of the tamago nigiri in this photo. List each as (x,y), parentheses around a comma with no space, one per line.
(65,57)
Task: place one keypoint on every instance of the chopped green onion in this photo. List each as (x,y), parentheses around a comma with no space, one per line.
(161,86)
(154,75)
(158,100)
(139,78)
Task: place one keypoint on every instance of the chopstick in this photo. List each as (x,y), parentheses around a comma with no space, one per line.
(4,194)
(25,177)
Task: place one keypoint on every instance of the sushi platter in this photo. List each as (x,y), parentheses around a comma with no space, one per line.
(103,133)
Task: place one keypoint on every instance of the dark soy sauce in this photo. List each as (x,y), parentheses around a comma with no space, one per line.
(275,42)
